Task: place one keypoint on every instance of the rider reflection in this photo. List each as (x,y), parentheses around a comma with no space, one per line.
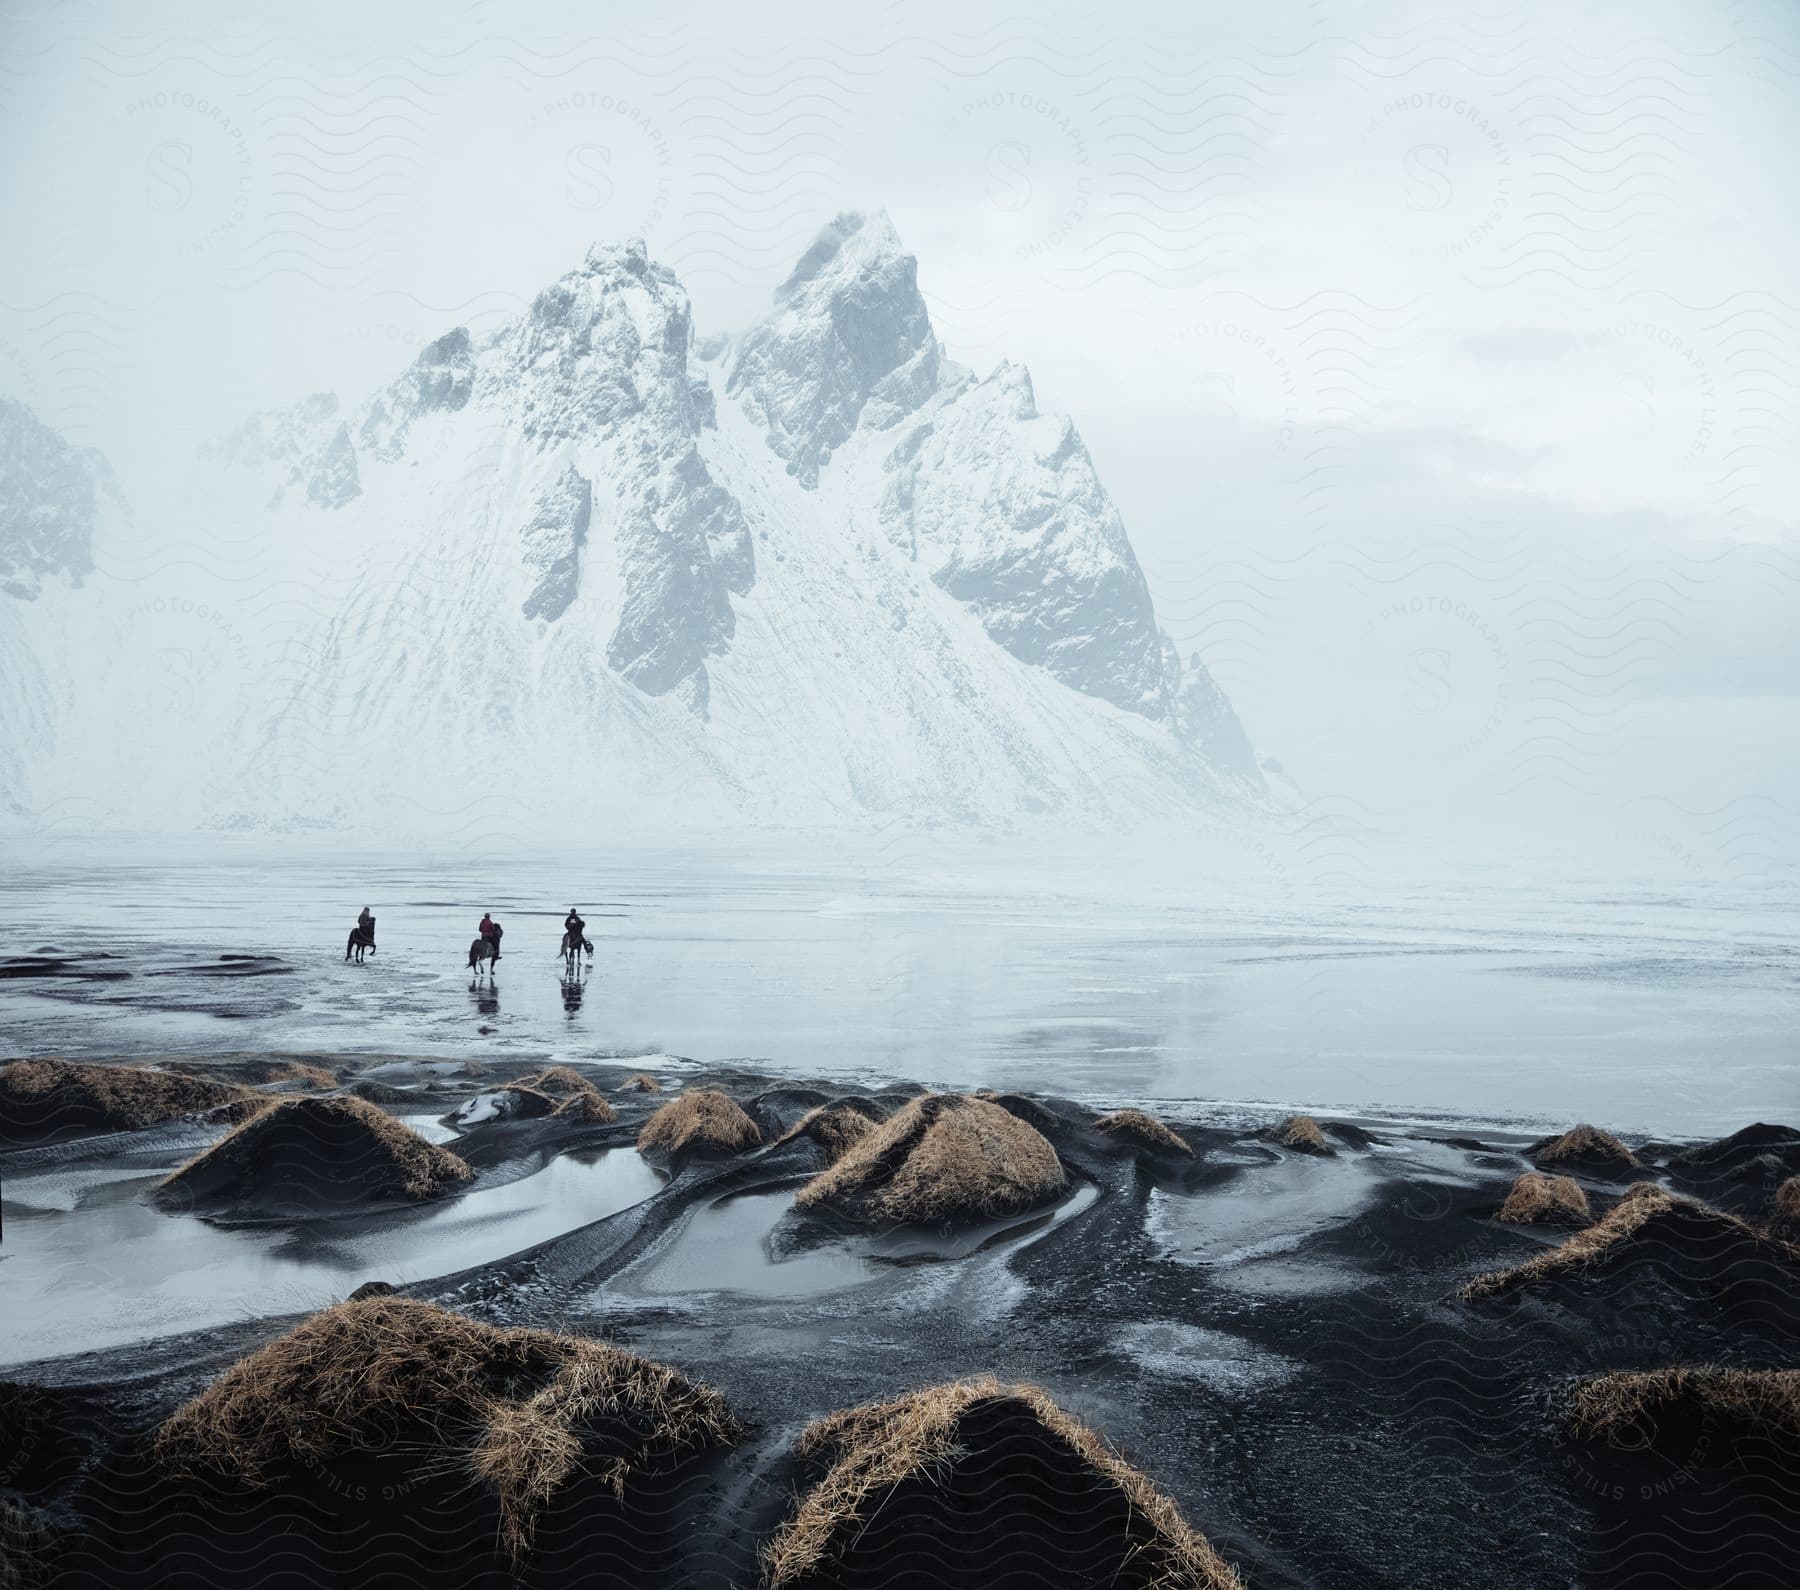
(486,994)
(571,992)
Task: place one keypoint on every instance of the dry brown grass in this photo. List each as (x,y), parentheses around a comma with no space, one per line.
(522,1409)
(1143,1131)
(45,1095)
(1300,1132)
(589,1104)
(1586,1145)
(942,1156)
(576,1097)
(557,1080)
(836,1128)
(278,1071)
(1642,1203)
(873,1449)
(640,1082)
(389,1159)
(1760,1401)
(1536,1198)
(1787,1208)
(705,1121)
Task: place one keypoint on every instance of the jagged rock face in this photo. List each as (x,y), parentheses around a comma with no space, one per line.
(553,542)
(1002,505)
(849,343)
(439,382)
(330,473)
(591,388)
(602,360)
(51,496)
(1204,717)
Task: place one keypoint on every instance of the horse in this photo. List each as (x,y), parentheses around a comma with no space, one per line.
(572,945)
(362,941)
(481,950)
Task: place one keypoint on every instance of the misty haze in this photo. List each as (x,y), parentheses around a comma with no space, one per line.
(936,797)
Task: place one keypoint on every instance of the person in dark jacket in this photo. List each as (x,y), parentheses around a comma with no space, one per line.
(576,929)
(366,923)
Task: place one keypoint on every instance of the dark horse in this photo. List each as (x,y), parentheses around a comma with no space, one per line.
(481,950)
(362,941)
(572,945)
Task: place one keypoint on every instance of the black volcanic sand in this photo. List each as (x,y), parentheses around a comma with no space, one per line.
(1272,1338)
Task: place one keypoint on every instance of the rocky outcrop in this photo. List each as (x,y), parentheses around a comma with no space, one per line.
(553,540)
(848,344)
(51,498)
(440,381)
(1002,505)
(601,360)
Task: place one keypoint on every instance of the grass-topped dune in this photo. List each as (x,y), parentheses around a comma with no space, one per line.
(1680,1236)
(571,1095)
(1584,1148)
(1142,1130)
(1537,1199)
(45,1097)
(836,1127)
(940,1157)
(975,1482)
(1301,1133)
(706,1122)
(309,1153)
(1641,1409)
(522,1413)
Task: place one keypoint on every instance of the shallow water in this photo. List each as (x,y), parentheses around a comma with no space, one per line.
(100,1266)
(1642,1010)
(741,1245)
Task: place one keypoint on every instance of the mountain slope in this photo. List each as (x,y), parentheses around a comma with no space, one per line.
(821,574)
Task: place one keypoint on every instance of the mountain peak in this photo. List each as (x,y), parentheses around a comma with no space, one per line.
(848,345)
(850,241)
(628,254)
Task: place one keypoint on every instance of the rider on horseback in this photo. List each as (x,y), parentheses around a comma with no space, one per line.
(365,923)
(575,932)
(491,931)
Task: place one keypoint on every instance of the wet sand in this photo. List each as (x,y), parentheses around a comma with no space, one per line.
(1272,1337)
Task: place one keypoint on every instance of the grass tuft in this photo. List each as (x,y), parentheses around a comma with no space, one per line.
(523,1410)
(1300,1133)
(705,1121)
(920,1438)
(640,1082)
(575,1097)
(1643,1204)
(1624,1407)
(1142,1130)
(1537,1199)
(51,1095)
(940,1157)
(1584,1145)
(836,1128)
(374,1155)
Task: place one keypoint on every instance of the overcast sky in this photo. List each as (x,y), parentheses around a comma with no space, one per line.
(1443,361)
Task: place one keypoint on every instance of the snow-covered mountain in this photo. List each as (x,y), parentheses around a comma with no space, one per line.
(587,564)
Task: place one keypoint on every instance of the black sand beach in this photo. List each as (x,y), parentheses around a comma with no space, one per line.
(1282,1342)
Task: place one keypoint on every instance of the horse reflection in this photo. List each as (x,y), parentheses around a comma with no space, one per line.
(486,994)
(572,991)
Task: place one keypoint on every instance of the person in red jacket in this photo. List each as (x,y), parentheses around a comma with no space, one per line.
(491,930)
